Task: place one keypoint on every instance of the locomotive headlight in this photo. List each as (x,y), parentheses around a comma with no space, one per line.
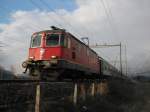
(54,57)
(32,57)
(53,60)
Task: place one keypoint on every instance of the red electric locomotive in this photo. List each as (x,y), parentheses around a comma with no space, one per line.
(57,54)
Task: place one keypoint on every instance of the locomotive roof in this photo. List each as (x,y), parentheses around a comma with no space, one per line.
(54,31)
(64,31)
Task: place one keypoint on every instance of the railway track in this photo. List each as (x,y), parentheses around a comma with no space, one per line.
(34,81)
(50,81)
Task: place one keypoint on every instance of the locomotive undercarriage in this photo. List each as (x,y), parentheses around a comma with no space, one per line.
(56,70)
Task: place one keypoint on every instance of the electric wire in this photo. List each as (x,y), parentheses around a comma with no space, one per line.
(85,30)
(60,17)
(109,18)
(8,11)
(112,19)
(21,28)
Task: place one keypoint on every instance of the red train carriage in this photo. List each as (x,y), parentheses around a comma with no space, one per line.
(58,54)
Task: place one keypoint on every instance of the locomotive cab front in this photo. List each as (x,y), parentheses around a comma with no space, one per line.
(45,51)
(46,46)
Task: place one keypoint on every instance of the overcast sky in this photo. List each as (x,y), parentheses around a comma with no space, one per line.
(103,21)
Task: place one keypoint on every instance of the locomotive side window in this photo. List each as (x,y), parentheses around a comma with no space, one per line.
(36,40)
(63,41)
(52,40)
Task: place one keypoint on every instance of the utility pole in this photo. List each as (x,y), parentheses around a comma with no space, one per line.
(120,58)
(1,73)
(126,60)
(111,45)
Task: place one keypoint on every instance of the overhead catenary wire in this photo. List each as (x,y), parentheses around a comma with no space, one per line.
(85,30)
(60,17)
(6,10)
(40,8)
(31,25)
(56,19)
(113,20)
(107,14)
(110,18)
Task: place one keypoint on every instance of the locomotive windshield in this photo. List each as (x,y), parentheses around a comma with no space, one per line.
(54,39)
(51,40)
(36,40)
